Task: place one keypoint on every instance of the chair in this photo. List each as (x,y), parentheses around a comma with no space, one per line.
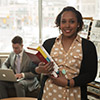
(12,93)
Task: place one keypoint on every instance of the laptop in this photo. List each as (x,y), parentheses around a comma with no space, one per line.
(8,75)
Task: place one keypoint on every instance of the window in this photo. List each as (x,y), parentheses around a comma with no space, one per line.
(20,17)
(34,20)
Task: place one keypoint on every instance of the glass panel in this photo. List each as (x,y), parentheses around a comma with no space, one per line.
(18,17)
(89,8)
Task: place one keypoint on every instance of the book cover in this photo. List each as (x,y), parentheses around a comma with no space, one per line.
(35,55)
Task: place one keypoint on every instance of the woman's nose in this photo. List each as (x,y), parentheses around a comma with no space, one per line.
(67,25)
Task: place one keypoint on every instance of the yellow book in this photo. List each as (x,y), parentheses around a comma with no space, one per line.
(40,48)
(42,52)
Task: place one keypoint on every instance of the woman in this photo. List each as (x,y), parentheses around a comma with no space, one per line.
(75,56)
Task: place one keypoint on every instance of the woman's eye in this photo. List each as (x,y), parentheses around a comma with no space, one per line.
(72,21)
(63,21)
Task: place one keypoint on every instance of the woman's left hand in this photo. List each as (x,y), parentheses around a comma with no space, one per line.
(60,80)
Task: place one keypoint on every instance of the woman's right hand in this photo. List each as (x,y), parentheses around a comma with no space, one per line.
(45,68)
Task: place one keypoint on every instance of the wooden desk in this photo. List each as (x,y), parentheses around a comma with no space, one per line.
(19,98)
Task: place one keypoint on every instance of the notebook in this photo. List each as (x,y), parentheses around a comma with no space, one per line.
(8,75)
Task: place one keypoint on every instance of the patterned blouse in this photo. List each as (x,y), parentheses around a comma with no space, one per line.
(69,64)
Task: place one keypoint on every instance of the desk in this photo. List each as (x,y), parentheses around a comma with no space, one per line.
(19,98)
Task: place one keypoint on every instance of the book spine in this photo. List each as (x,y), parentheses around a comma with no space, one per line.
(40,56)
(47,56)
(44,55)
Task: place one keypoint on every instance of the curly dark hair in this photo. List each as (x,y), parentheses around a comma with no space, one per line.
(78,16)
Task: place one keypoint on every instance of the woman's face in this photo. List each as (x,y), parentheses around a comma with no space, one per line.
(69,24)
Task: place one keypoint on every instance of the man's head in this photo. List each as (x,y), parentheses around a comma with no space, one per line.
(17,44)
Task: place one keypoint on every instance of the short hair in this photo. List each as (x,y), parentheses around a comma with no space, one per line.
(17,39)
(76,12)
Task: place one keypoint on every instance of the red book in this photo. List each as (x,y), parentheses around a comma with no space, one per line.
(41,55)
(35,55)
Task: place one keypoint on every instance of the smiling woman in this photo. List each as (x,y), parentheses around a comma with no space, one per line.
(75,56)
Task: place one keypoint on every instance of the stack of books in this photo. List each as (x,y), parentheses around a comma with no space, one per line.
(39,54)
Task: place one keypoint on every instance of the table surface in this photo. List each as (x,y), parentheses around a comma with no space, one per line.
(19,98)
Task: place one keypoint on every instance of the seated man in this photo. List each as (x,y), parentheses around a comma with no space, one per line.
(19,62)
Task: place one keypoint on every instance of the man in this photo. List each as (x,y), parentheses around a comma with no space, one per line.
(19,62)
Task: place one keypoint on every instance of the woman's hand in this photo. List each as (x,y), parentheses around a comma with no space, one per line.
(60,80)
(45,68)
